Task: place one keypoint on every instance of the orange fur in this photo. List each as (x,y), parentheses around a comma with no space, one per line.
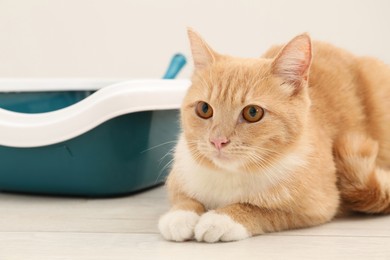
(322,147)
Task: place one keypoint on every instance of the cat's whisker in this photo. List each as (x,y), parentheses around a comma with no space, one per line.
(170,152)
(260,165)
(281,169)
(262,149)
(283,166)
(163,169)
(156,146)
(199,157)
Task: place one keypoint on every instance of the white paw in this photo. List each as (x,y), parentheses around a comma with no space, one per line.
(178,225)
(213,227)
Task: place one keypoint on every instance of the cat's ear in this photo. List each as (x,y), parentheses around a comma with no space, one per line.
(293,61)
(202,54)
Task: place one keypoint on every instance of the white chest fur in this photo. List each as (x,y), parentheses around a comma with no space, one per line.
(215,188)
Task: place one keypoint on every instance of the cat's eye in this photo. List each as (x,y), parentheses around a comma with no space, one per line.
(204,110)
(252,113)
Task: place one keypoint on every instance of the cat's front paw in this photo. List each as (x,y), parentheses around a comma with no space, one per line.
(178,225)
(213,227)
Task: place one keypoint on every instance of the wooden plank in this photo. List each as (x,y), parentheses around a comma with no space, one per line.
(136,214)
(150,246)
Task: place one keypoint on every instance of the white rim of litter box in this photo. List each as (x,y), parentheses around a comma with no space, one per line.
(56,84)
(35,130)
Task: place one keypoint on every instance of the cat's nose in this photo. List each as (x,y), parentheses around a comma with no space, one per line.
(219,142)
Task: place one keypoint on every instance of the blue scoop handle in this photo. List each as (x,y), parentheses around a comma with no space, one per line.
(177,63)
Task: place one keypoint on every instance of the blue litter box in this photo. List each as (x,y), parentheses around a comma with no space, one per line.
(113,141)
(87,137)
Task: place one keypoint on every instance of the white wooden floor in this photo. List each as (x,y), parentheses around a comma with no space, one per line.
(33,227)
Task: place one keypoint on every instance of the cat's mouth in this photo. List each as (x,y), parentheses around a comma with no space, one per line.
(222,159)
(221,156)
(226,162)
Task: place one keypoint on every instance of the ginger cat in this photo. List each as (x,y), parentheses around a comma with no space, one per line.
(280,142)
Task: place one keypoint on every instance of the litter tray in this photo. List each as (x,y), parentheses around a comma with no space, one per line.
(87,137)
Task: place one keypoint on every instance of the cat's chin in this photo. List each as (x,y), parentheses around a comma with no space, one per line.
(224,162)
(222,157)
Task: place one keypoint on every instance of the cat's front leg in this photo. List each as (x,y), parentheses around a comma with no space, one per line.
(179,222)
(240,221)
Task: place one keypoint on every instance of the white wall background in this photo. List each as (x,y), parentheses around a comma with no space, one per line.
(136,38)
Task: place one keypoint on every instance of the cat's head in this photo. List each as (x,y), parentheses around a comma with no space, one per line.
(243,114)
